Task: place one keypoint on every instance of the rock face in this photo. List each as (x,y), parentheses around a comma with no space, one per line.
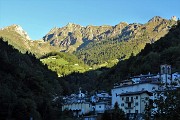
(18,38)
(72,36)
(18,29)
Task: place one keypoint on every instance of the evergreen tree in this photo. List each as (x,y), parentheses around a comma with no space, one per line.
(118,114)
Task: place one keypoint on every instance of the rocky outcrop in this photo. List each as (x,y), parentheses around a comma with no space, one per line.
(73,35)
(18,29)
(20,40)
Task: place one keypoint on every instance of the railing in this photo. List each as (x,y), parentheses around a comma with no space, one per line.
(129,101)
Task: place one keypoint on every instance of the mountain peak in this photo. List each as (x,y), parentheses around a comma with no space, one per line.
(54,29)
(72,25)
(19,30)
(122,23)
(155,19)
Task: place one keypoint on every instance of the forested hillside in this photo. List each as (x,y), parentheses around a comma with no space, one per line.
(103,45)
(96,46)
(27,87)
(164,51)
(130,40)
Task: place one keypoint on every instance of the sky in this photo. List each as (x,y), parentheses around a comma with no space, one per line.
(38,17)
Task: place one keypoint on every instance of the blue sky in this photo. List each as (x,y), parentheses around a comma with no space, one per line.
(37,17)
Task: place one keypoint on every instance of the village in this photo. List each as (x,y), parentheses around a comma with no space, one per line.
(132,95)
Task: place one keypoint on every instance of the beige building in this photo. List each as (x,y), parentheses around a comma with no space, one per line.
(134,102)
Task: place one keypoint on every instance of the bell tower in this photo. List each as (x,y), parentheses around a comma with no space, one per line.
(165,71)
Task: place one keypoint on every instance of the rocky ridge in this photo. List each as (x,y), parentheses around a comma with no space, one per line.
(73,36)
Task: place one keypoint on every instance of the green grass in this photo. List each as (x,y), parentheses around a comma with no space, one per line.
(62,66)
(51,59)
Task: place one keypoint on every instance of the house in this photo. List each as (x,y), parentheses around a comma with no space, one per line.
(100,107)
(78,108)
(79,103)
(100,96)
(134,102)
(144,86)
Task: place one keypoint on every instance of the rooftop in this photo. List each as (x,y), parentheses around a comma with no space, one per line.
(135,93)
(133,84)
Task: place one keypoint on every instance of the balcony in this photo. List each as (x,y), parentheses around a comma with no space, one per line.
(129,101)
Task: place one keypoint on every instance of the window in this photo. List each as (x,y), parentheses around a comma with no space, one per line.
(163,70)
(127,98)
(99,106)
(129,111)
(146,98)
(122,104)
(131,99)
(122,98)
(136,111)
(116,95)
(136,97)
(129,105)
(136,103)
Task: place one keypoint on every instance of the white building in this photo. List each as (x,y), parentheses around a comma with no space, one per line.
(150,87)
(100,107)
(78,108)
(134,102)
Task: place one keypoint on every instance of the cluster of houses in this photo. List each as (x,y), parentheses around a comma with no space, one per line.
(132,95)
(82,103)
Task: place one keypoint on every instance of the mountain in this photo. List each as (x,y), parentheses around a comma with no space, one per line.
(62,63)
(19,39)
(99,44)
(19,30)
(71,36)
(166,50)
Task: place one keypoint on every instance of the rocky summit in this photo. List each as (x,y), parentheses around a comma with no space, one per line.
(73,36)
(18,29)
